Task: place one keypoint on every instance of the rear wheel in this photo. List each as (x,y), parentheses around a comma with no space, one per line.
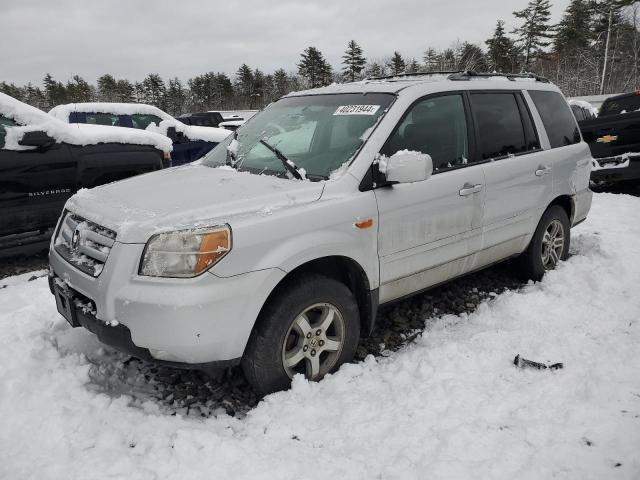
(549,245)
(311,326)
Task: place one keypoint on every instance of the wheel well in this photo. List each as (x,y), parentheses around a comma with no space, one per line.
(566,202)
(347,271)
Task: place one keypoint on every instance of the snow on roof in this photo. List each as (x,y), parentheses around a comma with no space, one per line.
(192,132)
(32,119)
(62,112)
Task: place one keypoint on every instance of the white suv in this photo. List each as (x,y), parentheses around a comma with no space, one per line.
(276,249)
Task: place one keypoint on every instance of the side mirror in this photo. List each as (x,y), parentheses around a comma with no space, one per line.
(172,133)
(407,167)
(38,139)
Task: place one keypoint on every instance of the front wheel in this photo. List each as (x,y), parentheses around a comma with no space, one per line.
(549,245)
(311,326)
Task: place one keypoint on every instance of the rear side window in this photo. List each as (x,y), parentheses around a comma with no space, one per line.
(557,118)
(109,119)
(620,105)
(143,121)
(5,122)
(504,126)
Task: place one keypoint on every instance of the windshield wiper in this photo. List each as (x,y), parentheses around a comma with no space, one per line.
(291,167)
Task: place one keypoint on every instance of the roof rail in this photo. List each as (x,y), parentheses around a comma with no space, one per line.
(468,74)
(415,74)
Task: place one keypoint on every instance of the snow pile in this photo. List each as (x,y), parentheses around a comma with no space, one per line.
(32,119)
(207,134)
(451,405)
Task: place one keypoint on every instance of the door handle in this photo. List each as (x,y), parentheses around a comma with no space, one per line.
(469,189)
(543,170)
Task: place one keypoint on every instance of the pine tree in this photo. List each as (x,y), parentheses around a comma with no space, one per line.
(313,67)
(353,61)
(243,84)
(175,97)
(107,88)
(412,66)
(396,64)
(124,91)
(535,31)
(78,90)
(502,52)
(573,33)
(431,60)
(280,83)
(154,90)
(472,58)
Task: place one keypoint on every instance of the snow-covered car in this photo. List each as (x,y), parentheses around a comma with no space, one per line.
(44,161)
(190,142)
(582,110)
(290,234)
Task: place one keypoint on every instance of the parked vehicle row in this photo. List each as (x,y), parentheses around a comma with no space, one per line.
(44,161)
(288,235)
(190,142)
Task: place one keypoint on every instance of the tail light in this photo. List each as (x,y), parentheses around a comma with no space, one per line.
(166,159)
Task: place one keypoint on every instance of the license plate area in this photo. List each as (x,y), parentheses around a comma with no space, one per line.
(66,308)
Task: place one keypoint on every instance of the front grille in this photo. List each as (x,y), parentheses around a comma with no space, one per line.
(84,244)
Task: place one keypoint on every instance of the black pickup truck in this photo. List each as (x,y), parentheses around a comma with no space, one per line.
(614,139)
(44,161)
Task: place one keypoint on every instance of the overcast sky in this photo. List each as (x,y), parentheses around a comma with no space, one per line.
(183,38)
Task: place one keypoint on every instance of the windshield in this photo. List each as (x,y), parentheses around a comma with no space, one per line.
(316,133)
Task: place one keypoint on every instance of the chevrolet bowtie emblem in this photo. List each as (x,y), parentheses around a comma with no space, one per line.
(607,139)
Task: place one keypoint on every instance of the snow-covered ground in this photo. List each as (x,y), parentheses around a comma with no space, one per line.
(450,405)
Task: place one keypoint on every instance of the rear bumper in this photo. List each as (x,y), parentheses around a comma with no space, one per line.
(616,169)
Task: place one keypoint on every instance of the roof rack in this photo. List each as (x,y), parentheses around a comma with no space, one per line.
(468,74)
(415,74)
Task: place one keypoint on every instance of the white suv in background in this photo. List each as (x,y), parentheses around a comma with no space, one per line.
(277,248)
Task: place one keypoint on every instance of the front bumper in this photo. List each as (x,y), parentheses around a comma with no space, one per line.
(198,321)
(616,169)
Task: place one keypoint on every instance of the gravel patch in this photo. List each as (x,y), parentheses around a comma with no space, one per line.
(196,394)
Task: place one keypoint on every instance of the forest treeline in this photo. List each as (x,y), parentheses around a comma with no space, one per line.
(595,48)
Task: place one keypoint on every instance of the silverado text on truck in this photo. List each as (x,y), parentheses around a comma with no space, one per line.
(44,161)
(330,202)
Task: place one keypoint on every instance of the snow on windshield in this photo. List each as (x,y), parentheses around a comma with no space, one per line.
(32,119)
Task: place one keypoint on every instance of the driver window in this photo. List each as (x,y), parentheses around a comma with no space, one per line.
(5,122)
(436,126)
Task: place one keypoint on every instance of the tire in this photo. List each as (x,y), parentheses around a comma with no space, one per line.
(539,256)
(282,344)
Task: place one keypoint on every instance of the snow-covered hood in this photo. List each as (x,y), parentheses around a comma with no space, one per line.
(186,197)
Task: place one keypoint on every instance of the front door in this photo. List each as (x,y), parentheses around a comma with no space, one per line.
(430,231)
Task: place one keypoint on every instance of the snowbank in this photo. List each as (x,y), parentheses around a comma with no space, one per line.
(451,405)
(33,119)
(208,134)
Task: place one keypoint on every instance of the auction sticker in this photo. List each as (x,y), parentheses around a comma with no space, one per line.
(357,110)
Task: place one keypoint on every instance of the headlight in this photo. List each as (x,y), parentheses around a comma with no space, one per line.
(186,253)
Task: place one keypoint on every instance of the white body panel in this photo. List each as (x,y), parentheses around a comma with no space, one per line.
(423,233)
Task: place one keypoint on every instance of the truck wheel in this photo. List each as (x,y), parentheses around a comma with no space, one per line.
(311,326)
(549,245)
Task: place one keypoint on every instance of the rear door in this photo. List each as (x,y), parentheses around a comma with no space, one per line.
(517,171)
(429,231)
(34,185)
